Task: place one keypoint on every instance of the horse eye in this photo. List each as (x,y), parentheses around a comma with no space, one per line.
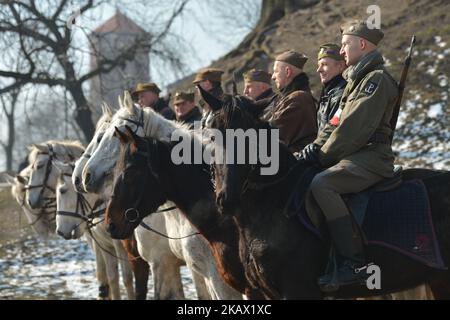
(62,190)
(39,166)
(99,138)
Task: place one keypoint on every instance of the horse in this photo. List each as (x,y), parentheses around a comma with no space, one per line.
(145,122)
(79,214)
(41,220)
(140,267)
(283,257)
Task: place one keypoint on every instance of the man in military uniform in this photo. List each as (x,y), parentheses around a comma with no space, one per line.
(258,86)
(147,95)
(330,67)
(294,113)
(357,153)
(210,80)
(185,108)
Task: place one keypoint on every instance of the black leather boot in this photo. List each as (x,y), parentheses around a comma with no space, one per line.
(350,257)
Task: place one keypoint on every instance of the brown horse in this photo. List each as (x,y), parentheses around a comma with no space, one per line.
(283,257)
(147,178)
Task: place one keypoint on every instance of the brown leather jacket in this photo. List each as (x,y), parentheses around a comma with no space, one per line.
(295,114)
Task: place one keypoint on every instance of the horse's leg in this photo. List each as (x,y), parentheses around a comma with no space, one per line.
(139,266)
(112,271)
(100,270)
(167,279)
(422,292)
(200,286)
(127,274)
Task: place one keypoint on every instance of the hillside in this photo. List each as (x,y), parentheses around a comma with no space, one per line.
(423,134)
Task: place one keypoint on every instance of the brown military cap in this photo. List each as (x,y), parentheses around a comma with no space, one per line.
(359,28)
(293,58)
(181,97)
(330,50)
(211,74)
(142,87)
(257,75)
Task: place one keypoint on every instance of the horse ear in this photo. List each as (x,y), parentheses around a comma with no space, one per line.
(107,110)
(128,101)
(214,103)
(123,138)
(21,179)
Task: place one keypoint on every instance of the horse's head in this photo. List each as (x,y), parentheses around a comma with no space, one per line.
(96,175)
(42,180)
(102,124)
(42,177)
(237,122)
(73,209)
(136,174)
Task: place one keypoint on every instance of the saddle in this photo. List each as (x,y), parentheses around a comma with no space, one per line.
(393,213)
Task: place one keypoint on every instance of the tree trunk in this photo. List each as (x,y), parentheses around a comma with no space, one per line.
(10,144)
(82,114)
(274,10)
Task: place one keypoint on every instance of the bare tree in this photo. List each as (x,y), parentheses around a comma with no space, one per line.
(38,31)
(8,103)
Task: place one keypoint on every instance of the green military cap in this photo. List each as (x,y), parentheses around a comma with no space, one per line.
(330,50)
(211,74)
(293,58)
(181,97)
(257,75)
(360,28)
(142,87)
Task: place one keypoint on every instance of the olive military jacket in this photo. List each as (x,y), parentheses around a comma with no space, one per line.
(364,116)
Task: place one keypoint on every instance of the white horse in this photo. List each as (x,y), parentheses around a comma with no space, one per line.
(72,218)
(102,124)
(42,177)
(97,177)
(42,220)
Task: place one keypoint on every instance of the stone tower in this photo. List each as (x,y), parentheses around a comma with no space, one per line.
(117,32)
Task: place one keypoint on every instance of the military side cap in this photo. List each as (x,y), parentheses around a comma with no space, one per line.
(360,28)
(211,74)
(257,75)
(181,97)
(293,58)
(330,50)
(142,87)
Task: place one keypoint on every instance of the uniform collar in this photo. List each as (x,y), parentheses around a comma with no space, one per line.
(333,83)
(366,64)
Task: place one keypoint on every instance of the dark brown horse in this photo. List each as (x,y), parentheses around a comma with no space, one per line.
(146,178)
(280,255)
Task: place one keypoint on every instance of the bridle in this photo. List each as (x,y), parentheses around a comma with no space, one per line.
(84,210)
(132,214)
(48,170)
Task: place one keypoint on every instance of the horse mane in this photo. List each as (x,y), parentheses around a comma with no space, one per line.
(63,149)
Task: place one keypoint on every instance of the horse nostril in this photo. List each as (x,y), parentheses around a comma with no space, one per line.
(77,181)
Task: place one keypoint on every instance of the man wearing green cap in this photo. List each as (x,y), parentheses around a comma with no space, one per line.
(330,67)
(258,86)
(147,95)
(358,153)
(294,112)
(185,109)
(210,79)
